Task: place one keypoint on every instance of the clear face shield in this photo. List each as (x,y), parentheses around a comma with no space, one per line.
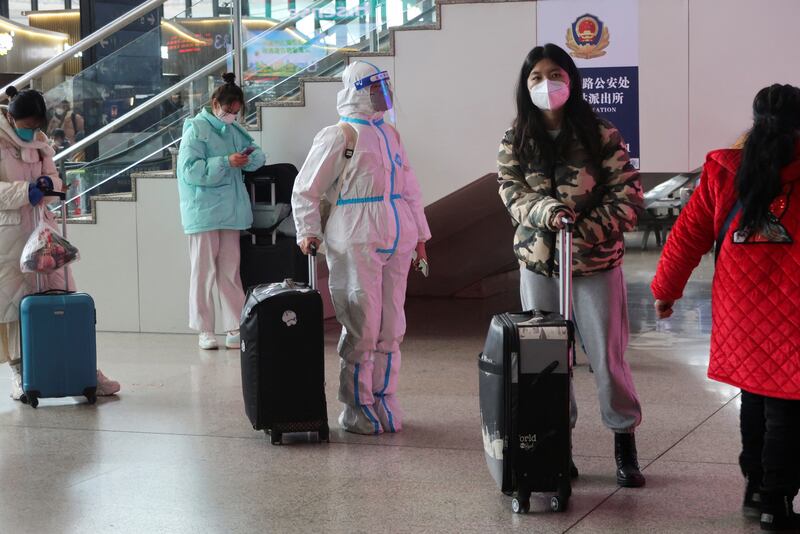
(381,95)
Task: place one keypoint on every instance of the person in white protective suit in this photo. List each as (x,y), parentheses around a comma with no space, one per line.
(376,222)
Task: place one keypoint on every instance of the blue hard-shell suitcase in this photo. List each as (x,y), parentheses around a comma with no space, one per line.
(59,348)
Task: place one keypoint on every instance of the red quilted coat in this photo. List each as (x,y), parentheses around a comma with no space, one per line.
(755,335)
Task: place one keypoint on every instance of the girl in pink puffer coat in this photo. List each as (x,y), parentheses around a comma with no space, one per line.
(26,169)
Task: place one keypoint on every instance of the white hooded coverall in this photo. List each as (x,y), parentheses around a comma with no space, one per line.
(374,226)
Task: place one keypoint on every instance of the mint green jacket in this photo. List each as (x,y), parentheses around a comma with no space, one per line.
(212,194)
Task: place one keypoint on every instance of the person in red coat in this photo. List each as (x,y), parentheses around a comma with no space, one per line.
(749,202)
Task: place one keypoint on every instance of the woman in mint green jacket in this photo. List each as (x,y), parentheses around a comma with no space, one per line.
(215,207)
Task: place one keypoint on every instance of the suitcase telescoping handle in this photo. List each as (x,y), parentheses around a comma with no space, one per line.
(273,201)
(312,267)
(565,269)
(36,214)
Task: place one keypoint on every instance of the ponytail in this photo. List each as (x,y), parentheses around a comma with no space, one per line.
(770,146)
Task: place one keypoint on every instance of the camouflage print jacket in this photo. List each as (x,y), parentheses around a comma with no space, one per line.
(605,204)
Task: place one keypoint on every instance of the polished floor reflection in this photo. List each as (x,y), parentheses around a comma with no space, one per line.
(175,454)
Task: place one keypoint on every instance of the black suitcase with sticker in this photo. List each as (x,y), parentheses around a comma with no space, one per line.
(524,381)
(283,358)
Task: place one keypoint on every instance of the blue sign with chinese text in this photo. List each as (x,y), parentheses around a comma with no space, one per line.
(613,93)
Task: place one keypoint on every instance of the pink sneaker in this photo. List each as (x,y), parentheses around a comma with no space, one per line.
(105,386)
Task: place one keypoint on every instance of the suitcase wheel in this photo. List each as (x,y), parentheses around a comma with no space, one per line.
(275,437)
(520,505)
(32,400)
(91,395)
(559,503)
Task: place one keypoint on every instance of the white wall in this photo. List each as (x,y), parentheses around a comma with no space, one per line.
(108,268)
(736,49)
(456,90)
(664,85)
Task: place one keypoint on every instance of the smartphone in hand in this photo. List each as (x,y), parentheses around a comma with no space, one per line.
(247,151)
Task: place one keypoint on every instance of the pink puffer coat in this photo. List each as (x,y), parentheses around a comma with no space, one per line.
(21,162)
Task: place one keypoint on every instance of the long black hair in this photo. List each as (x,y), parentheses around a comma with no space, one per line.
(25,104)
(228,92)
(770,146)
(579,118)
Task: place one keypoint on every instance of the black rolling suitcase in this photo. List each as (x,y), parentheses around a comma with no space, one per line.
(525,371)
(267,256)
(265,262)
(283,358)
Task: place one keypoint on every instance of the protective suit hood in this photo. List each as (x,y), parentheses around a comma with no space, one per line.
(355,103)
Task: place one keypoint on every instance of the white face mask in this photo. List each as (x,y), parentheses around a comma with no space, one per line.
(227,118)
(550,95)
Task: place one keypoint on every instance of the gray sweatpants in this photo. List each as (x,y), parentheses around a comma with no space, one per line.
(600,310)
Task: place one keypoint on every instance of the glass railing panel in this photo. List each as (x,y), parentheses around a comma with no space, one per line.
(106,166)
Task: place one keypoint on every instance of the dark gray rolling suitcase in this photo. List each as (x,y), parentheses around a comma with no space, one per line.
(267,256)
(283,358)
(524,381)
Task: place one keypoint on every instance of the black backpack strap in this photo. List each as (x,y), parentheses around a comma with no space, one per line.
(724,230)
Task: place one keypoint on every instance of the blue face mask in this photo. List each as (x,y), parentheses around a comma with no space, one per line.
(26,134)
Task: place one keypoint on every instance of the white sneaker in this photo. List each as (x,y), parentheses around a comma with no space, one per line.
(105,386)
(208,341)
(233,340)
(16,383)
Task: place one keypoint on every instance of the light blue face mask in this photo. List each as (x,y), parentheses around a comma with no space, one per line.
(26,134)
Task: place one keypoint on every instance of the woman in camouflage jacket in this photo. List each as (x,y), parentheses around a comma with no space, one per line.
(560,160)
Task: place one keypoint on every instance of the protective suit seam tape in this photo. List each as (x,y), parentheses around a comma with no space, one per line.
(388,372)
(391,190)
(388,413)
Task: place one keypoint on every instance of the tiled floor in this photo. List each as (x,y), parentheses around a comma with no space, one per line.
(175,453)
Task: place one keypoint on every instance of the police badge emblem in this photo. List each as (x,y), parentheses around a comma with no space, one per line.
(588,37)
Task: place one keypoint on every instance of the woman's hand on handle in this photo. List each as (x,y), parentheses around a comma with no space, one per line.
(664,308)
(305,244)
(558,219)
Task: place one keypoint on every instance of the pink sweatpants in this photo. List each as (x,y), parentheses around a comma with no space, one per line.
(215,258)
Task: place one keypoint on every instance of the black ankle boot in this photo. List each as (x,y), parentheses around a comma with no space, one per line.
(628,474)
(777,514)
(751,507)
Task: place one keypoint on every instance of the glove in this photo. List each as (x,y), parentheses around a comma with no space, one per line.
(35,195)
(44,183)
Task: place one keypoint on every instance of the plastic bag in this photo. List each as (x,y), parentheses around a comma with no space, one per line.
(46,251)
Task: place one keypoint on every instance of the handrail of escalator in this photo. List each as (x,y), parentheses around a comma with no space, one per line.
(165,94)
(84,44)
